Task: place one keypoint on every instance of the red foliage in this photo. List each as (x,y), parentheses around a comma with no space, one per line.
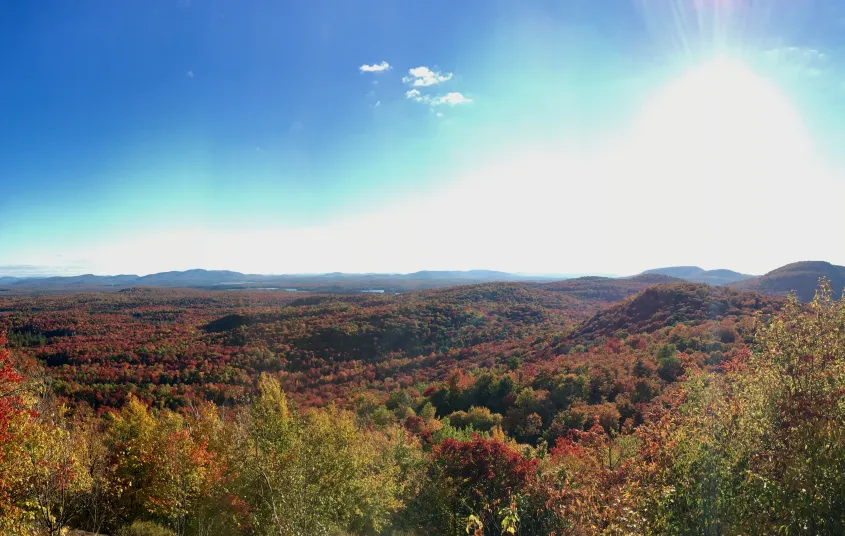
(414,424)
(9,381)
(566,446)
(487,470)
(11,407)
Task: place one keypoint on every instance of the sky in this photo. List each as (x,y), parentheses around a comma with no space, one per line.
(532,136)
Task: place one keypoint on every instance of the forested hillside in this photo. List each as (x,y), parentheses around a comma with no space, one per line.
(482,409)
(668,305)
(167,346)
(594,293)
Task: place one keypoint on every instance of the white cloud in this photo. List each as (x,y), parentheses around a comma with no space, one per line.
(803,60)
(375,68)
(451,99)
(793,53)
(190,74)
(420,77)
(424,77)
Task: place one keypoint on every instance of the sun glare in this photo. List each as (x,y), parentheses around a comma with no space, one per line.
(718,149)
(722,117)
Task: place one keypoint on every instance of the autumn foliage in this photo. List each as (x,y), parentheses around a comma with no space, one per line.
(484,410)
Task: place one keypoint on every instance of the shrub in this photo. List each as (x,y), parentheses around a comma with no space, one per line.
(145,528)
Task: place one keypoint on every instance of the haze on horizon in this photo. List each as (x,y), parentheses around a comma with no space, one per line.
(533,137)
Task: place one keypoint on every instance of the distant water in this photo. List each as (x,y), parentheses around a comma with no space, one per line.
(259,288)
(373,291)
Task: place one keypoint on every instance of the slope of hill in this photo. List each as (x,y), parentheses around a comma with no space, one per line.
(695,274)
(667,305)
(594,293)
(799,277)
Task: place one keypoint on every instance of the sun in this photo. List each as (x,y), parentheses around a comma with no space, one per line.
(723,123)
(715,166)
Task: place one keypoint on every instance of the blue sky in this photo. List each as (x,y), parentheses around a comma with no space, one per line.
(532,136)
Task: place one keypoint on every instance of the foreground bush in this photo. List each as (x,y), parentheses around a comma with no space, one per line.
(145,528)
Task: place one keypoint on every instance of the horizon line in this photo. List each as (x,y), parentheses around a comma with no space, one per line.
(58,274)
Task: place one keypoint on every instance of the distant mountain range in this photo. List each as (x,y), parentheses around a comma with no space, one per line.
(223,279)
(800,277)
(695,274)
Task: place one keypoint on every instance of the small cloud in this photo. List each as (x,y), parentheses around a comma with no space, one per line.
(190,74)
(793,53)
(811,54)
(439,114)
(452,99)
(424,77)
(377,104)
(808,61)
(375,68)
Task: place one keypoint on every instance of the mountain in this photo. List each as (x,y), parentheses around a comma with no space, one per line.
(338,283)
(670,304)
(695,274)
(72,282)
(491,275)
(799,277)
(191,278)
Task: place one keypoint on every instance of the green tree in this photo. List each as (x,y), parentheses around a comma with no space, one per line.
(316,473)
(760,449)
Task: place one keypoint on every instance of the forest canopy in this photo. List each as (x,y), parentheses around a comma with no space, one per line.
(715,412)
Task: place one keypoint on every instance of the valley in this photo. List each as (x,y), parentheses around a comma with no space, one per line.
(577,400)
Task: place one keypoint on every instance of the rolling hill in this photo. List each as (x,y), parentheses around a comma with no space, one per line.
(670,304)
(695,274)
(799,277)
(595,293)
